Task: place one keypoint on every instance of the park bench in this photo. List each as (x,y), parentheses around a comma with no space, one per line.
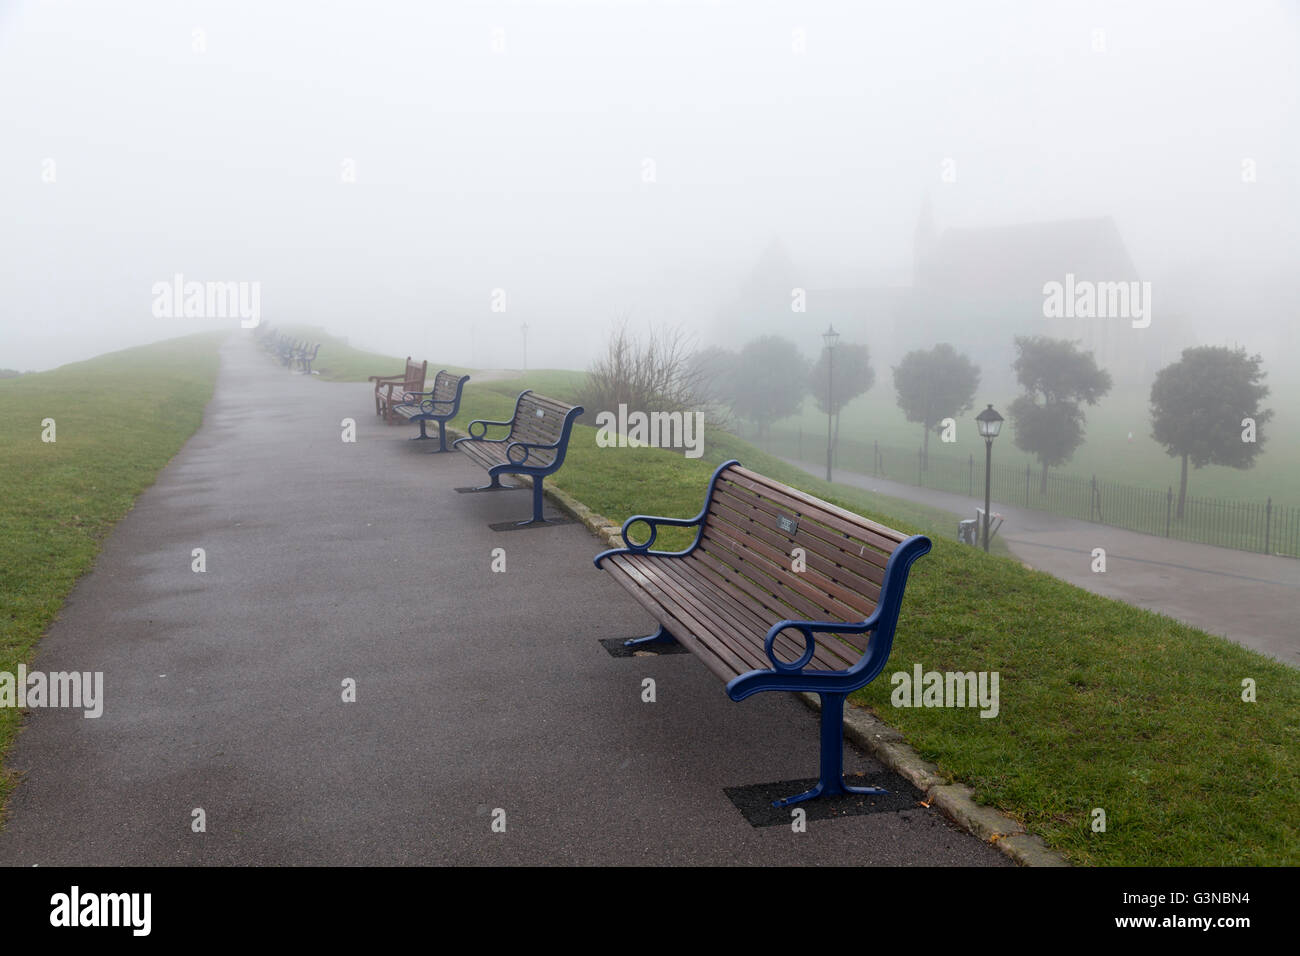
(534,446)
(306,356)
(778,591)
(440,405)
(391,389)
(286,350)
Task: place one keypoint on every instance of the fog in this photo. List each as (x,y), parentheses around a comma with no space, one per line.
(381,168)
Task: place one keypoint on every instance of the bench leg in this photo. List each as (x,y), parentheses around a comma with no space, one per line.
(658,637)
(832,782)
(425,436)
(537,504)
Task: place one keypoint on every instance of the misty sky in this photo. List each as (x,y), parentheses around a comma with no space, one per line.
(503,145)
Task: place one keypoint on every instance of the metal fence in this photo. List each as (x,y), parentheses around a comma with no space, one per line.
(1244,525)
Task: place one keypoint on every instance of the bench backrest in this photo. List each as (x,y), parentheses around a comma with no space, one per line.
(540,420)
(446,387)
(749,538)
(414,375)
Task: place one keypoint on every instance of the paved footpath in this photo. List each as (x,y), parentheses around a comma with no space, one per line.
(475,690)
(1249,598)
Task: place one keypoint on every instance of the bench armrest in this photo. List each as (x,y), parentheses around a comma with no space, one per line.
(528,448)
(808,629)
(485,423)
(655,520)
(387,378)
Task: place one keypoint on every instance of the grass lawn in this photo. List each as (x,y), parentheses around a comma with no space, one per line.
(1107,451)
(1103,705)
(118,418)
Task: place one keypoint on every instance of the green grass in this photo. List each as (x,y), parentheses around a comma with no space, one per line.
(118,419)
(1107,451)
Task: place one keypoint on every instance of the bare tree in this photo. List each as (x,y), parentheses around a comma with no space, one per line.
(653,373)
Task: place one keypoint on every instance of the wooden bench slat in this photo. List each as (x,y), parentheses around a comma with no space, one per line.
(730,661)
(774,609)
(827,593)
(827,540)
(839,565)
(764,601)
(795,587)
(765,486)
(710,623)
(834,544)
(830,654)
(747,622)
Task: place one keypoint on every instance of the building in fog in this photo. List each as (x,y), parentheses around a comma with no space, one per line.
(976,289)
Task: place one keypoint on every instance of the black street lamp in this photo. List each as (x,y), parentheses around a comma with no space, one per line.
(831,338)
(990,423)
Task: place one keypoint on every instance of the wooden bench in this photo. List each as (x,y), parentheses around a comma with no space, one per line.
(778,591)
(440,405)
(391,389)
(535,445)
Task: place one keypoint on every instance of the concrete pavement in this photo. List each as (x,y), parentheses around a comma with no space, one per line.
(1253,599)
(475,690)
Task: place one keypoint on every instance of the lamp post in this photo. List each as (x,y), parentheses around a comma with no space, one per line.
(990,423)
(830,337)
(524,331)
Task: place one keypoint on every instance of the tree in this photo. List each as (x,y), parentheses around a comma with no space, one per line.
(933,385)
(1199,407)
(851,375)
(714,369)
(770,380)
(1056,371)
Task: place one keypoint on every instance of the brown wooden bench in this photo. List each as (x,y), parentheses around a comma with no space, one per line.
(391,389)
(440,404)
(535,445)
(778,591)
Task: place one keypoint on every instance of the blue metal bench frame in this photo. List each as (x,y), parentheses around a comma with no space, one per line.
(305,358)
(831,686)
(520,466)
(435,410)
